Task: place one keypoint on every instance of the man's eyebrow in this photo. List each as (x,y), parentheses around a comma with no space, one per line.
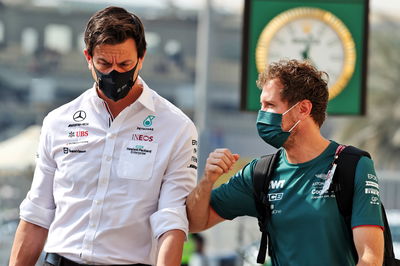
(123,62)
(267,102)
(126,61)
(103,60)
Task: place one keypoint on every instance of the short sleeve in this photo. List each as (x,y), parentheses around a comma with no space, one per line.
(366,201)
(235,198)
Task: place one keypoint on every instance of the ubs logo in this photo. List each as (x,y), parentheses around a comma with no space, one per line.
(80,133)
(79,116)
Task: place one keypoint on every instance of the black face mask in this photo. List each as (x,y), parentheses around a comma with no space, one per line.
(116,85)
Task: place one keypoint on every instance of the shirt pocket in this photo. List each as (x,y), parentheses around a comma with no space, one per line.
(137,160)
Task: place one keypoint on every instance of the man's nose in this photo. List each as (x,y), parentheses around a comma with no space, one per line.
(114,67)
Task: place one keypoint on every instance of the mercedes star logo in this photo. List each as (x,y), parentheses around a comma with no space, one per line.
(79,116)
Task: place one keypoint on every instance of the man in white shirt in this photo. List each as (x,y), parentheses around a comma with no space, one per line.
(114,165)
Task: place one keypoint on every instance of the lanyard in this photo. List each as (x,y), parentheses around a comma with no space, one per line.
(331,172)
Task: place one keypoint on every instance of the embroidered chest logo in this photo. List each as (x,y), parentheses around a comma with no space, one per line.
(321,176)
(141,137)
(275,196)
(139,150)
(148,122)
(78,134)
(275,184)
(66,150)
(79,116)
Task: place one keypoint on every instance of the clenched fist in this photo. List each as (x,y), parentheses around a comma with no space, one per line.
(219,162)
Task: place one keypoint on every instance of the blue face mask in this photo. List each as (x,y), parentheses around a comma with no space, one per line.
(269,127)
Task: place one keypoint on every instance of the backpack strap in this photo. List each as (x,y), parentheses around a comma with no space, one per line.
(343,186)
(343,179)
(262,175)
(346,159)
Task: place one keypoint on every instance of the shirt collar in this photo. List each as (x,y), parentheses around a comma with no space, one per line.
(146,97)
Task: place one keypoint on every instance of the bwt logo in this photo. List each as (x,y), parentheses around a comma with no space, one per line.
(142,137)
(274,184)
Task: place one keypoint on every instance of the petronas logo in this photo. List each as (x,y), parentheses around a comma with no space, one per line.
(148,121)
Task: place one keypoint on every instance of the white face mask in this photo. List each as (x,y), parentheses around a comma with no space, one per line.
(290,130)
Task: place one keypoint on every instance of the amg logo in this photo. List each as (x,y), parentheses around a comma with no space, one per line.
(275,184)
(78,124)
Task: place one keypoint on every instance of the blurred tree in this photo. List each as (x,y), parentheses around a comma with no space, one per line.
(379,131)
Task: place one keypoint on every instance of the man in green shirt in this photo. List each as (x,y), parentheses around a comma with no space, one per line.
(306,227)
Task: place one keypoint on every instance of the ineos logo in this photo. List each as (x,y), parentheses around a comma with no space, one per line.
(79,116)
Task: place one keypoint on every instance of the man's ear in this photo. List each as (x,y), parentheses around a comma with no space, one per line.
(305,109)
(88,58)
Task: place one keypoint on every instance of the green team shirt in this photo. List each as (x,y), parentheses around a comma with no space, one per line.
(306,227)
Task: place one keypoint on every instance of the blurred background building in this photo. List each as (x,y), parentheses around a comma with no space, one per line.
(42,67)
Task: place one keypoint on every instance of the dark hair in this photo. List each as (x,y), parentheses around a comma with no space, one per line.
(114,25)
(301,81)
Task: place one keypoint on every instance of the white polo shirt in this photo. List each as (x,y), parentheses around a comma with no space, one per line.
(106,190)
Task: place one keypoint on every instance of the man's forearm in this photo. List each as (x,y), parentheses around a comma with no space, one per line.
(197,206)
(198,202)
(170,246)
(369,242)
(28,244)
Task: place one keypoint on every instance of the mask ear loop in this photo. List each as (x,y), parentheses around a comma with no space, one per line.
(133,82)
(290,130)
(290,109)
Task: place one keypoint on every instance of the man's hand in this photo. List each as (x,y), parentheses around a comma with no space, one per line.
(218,163)
(199,212)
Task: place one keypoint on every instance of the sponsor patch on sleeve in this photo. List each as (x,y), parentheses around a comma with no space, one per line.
(193,159)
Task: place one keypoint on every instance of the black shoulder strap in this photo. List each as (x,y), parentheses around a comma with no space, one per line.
(262,175)
(343,179)
(343,185)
